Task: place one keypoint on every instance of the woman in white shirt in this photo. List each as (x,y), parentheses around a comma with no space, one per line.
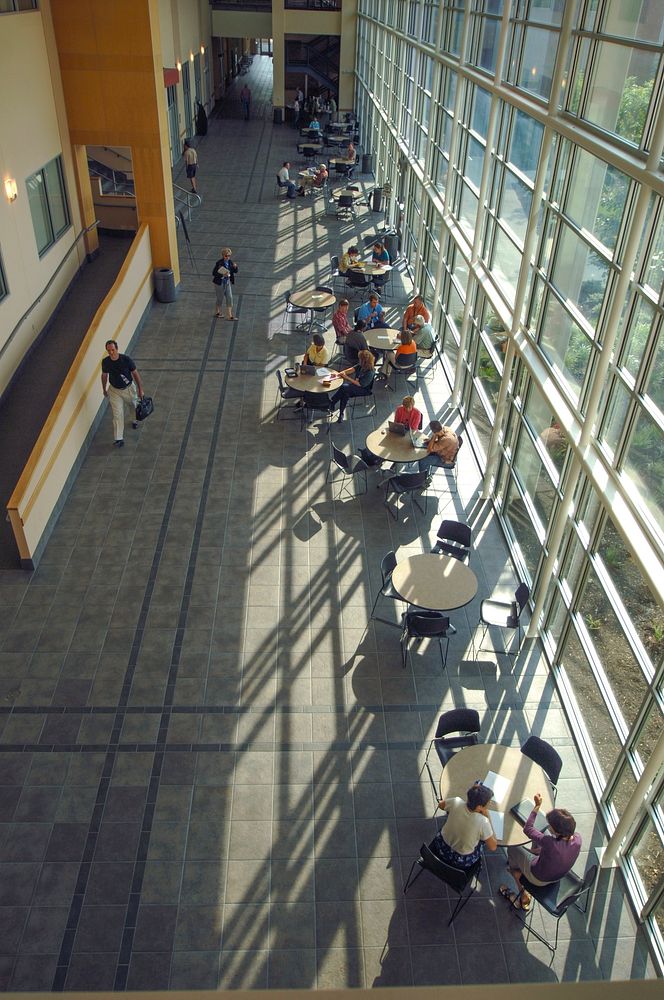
(468,827)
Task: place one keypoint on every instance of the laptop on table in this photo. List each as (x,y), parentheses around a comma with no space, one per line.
(395,428)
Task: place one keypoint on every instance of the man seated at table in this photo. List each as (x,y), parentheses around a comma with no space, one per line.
(371,313)
(549,857)
(423,337)
(467,830)
(442,447)
(355,342)
(340,321)
(285,181)
(358,381)
(314,180)
(380,254)
(350,257)
(416,308)
(316,353)
(408,414)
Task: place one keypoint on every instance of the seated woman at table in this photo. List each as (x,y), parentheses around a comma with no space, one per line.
(548,859)
(372,313)
(468,828)
(408,414)
(442,447)
(314,180)
(340,321)
(405,354)
(350,152)
(350,257)
(358,381)
(423,337)
(316,353)
(380,254)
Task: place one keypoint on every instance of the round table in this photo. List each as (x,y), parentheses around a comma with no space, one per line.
(382,339)
(312,146)
(434,583)
(312,300)
(312,383)
(370,267)
(393,447)
(526,778)
(341,162)
(337,193)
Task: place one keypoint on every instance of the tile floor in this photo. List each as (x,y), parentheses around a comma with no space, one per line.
(210,759)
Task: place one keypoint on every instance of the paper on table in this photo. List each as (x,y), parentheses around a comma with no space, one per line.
(497,822)
(323,372)
(499,784)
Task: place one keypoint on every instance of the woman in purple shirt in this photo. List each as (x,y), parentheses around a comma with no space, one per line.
(549,857)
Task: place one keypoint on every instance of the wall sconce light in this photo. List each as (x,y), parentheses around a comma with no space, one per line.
(11,190)
(202,50)
(191,57)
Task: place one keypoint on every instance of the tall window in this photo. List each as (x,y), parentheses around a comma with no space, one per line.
(48,204)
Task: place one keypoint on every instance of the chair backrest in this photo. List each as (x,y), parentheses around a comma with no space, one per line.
(345,201)
(427,623)
(278,181)
(581,889)
(456,878)
(387,564)
(521,595)
(357,280)
(280,379)
(411,480)
(458,720)
(324,288)
(334,262)
(318,401)
(543,754)
(340,459)
(455,531)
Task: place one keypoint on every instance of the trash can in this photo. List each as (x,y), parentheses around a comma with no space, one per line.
(164,284)
(376,199)
(278,116)
(367,163)
(391,244)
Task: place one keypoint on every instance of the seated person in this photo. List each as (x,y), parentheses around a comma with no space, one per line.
(355,342)
(380,254)
(285,181)
(407,414)
(358,382)
(316,353)
(468,828)
(314,124)
(350,152)
(442,447)
(423,337)
(416,308)
(340,321)
(405,354)
(351,256)
(550,856)
(314,180)
(371,313)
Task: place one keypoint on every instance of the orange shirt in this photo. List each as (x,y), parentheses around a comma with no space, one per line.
(412,311)
(406,349)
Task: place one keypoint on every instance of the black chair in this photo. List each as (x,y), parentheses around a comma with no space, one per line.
(357,281)
(466,722)
(504,614)
(309,154)
(279,186)
(453,539)
(315,402)
(345,207)
(427,362)
(406,368)
(547,897)
(292,310)
(341,461)
(334,268)
(387,565)
(419,625)
(284,392)
(451,467)
(407,484)
(548,759)
(458,879)
(367,400)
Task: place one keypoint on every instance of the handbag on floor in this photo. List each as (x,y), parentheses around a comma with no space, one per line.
(144,407)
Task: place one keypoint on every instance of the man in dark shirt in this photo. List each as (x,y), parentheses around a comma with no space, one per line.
(121,372)
(355,342)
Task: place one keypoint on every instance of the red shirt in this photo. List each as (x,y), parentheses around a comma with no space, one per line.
(411,418)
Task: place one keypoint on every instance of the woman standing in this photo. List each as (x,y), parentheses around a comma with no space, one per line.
(223,276)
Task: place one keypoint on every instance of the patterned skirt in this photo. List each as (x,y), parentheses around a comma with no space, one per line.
(451,857)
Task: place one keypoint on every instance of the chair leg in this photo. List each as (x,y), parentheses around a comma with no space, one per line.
(461,902)
(434,788)
(410,880)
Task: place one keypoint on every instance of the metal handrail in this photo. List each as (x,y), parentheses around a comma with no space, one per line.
(187,195)
(83,232)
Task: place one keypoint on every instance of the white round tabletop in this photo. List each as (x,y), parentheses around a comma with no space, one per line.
(312,300)
(393,447)
(312,383)
(435,583)
(371,267)
(341,161)
(382,339)
(526,779)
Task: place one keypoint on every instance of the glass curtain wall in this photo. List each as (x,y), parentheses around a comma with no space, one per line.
(524,140)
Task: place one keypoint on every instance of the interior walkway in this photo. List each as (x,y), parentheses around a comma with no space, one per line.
(210,760)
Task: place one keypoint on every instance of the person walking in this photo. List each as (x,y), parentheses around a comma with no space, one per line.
(191,164)
(245,97)
(223,277)
(125,388)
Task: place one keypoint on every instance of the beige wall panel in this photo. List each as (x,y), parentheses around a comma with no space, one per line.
(309,22)
(241,24)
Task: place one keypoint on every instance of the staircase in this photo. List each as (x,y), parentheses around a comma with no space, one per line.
(318,58)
